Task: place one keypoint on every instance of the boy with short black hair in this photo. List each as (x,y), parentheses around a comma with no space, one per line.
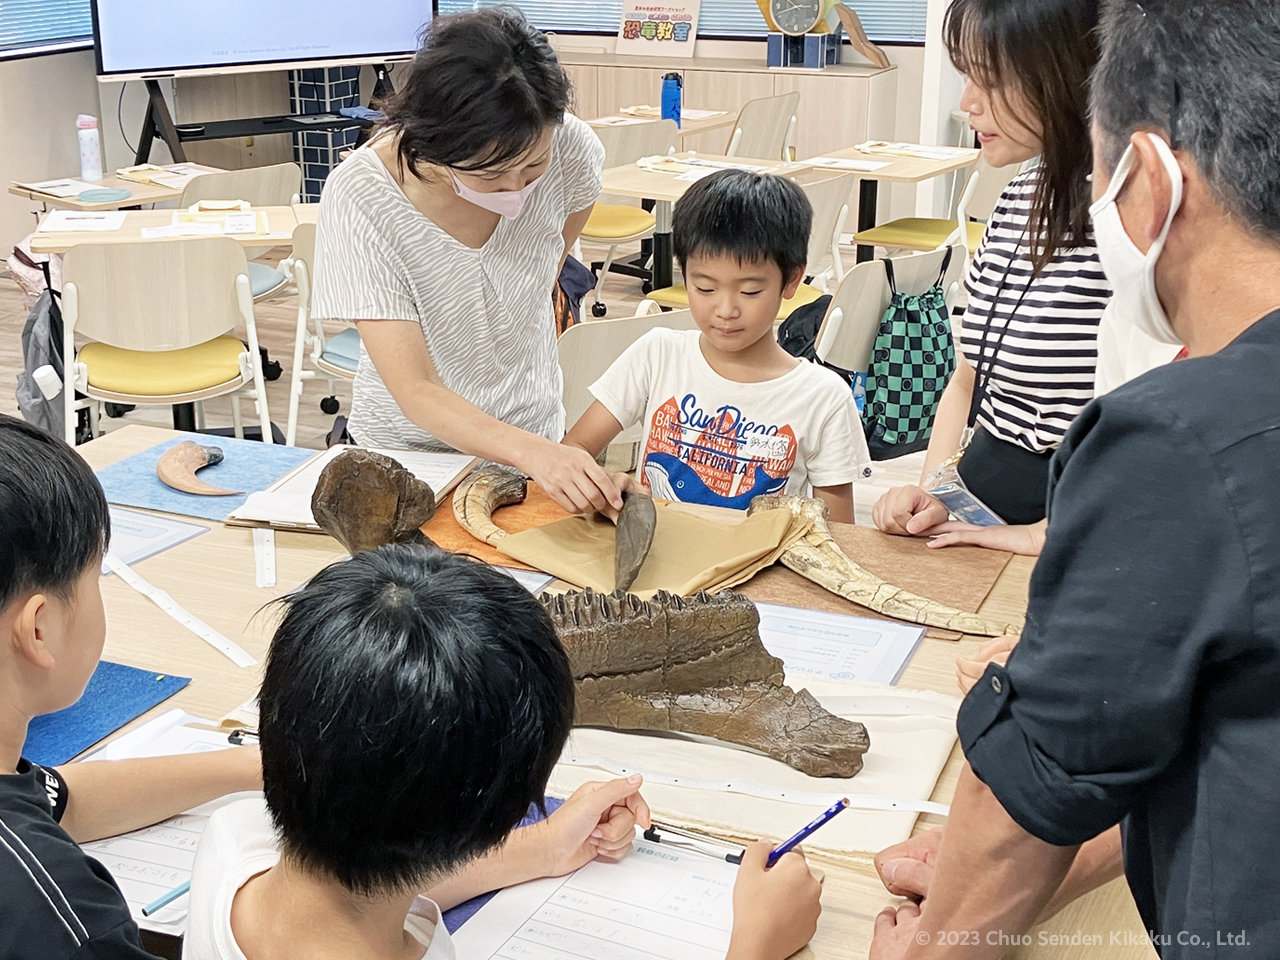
(413,706)
(730,415)
(58,902)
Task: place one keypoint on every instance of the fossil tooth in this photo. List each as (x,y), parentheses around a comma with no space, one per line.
(178,465)
(365,499)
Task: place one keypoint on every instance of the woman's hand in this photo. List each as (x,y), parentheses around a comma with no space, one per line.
(970,671)
(908,511)
(598,820)
(906,868)
(1024,539)
(775,911)
(571,477)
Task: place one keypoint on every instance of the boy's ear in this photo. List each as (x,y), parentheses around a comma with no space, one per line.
(793,284)
(33,617)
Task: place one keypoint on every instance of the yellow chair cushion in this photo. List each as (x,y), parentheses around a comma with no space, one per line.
(615,221)
(162,373)
(918,233)
(677,297)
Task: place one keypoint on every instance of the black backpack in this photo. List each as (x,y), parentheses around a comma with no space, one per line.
(798,335)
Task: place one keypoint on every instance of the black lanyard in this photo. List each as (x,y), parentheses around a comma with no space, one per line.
(979,380)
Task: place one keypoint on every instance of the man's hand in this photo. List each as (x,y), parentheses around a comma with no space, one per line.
(896,933)
(906,868)
(598,820)
(571,477)
(1024,539)
(775,911)
(908,512)
(995,650)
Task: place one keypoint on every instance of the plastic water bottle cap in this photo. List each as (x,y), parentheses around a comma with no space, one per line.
(86,122)
(48,381)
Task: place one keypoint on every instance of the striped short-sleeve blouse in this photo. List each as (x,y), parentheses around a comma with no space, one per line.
(486,313)
(1036,338)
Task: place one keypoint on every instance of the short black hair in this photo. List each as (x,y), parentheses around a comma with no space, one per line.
(53,514)
(480,92)
(413,706)
(1206,73)
(750,216)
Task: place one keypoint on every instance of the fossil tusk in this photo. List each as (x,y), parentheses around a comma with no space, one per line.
(482,492)
(819,558)
(178,465)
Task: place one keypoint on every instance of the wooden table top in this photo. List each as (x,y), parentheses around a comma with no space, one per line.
(280,224)
(138,633)
(903,169)
(140,193)
(688,127)
(632,180)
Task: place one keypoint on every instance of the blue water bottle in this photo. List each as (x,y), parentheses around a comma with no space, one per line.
(672,94)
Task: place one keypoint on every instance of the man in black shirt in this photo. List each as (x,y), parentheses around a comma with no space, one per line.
(1146,688)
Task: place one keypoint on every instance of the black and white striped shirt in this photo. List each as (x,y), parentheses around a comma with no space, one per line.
(1041,335)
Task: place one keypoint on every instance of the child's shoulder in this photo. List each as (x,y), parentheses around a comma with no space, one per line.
(818,381)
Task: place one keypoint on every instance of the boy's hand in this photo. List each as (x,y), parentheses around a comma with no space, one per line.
(775,911)
(906,868)
(908,512)
(1024,539)
(598,820)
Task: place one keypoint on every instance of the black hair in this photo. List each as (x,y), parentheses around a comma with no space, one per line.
(1206,73)
(1044,50)
(413,706)
(750,216)
(54,522)
(480,92)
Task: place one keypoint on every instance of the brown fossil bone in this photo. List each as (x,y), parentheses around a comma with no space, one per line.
(365,499)
(696,665)
(177,468)
(817,557)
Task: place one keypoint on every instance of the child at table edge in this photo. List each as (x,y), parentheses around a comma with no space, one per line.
(413,706)
(729,414)
(59,902)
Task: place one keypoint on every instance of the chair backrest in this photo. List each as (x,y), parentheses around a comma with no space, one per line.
(162,295)
(628,142)
(764,127)
(304,245)
(848,330)
(587,349)
(273,186)
(830,201)
(983,189)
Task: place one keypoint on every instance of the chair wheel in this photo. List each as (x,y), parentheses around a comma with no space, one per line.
(598,309)
(114,410)
(329,405)
(272,370)
(646,288)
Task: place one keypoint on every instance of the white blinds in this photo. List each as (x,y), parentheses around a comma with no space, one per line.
(883,19)
(27,26)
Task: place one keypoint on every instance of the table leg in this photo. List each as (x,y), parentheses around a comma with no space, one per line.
(662,249)
(868,194)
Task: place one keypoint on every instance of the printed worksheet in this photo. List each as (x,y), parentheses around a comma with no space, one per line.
(837,646)
(656,902)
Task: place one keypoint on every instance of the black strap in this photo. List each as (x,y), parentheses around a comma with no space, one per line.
(893,287)
(979,380)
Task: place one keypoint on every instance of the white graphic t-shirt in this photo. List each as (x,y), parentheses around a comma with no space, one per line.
(719,442)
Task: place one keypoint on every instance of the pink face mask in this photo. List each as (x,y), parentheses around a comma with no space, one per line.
(506,203)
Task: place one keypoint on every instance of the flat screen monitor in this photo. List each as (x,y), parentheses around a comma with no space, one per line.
(134,39)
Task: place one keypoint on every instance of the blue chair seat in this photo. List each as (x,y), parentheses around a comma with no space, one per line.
(343,350)
(264,279)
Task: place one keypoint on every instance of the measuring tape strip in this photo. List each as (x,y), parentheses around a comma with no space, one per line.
(236,654)
(264,557)
(764,791)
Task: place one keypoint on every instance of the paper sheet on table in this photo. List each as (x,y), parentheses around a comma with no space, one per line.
(910,743)
(841,163)
(655,902)
(686,113)
(689,552)
(616,121)
(136,536)
(58,188)
(920,150)
(69,221)
(835,646)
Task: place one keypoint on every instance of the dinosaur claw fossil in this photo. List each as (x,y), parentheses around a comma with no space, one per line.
(178,465)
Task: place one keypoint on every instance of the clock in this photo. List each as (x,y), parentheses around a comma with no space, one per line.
(797,17)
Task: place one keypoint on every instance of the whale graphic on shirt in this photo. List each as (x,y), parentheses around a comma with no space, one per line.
(670,478)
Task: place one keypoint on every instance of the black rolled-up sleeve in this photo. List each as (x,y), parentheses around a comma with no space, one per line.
(1142,577)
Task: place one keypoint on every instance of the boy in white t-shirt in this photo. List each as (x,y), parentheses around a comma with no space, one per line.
(729,414)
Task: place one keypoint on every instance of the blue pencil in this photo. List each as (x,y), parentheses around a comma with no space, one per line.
(822,818)
(166,899)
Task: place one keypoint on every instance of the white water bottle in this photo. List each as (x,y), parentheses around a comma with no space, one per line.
(90,148)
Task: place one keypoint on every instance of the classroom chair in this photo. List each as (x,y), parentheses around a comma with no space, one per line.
(276,185)
(159,317)
(765,128)
(830,201)
(852,320)
(613,224)
(333,357)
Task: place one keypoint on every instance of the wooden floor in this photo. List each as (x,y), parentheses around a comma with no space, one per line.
(276,323)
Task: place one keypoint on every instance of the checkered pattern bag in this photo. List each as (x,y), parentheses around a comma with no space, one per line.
(911,362)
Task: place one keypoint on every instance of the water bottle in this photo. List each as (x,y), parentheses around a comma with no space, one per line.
(672,94)
(90,148)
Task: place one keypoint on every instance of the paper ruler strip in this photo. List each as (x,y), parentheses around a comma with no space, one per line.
(264,557)
(236,654)
(749,788)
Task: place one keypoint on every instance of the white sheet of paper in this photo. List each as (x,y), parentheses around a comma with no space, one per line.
(837,646)
(689,113)
(616,121)
(655,902)
(59,188)
(535,581)
(240,221)
(67,221)
(136,536)
(840,163)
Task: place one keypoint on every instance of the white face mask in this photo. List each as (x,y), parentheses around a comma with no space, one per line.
(506,203)
(1131,273)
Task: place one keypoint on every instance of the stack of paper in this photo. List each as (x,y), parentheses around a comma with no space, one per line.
(71,221)
(58,188)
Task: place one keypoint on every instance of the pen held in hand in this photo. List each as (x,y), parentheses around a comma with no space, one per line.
(787,845)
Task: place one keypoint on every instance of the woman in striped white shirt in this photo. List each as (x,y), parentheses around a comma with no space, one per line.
(1036,288)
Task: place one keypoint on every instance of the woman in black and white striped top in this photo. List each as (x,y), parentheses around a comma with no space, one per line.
(1036,288)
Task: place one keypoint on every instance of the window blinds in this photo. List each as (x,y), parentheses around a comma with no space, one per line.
(884,20)
(29,26)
